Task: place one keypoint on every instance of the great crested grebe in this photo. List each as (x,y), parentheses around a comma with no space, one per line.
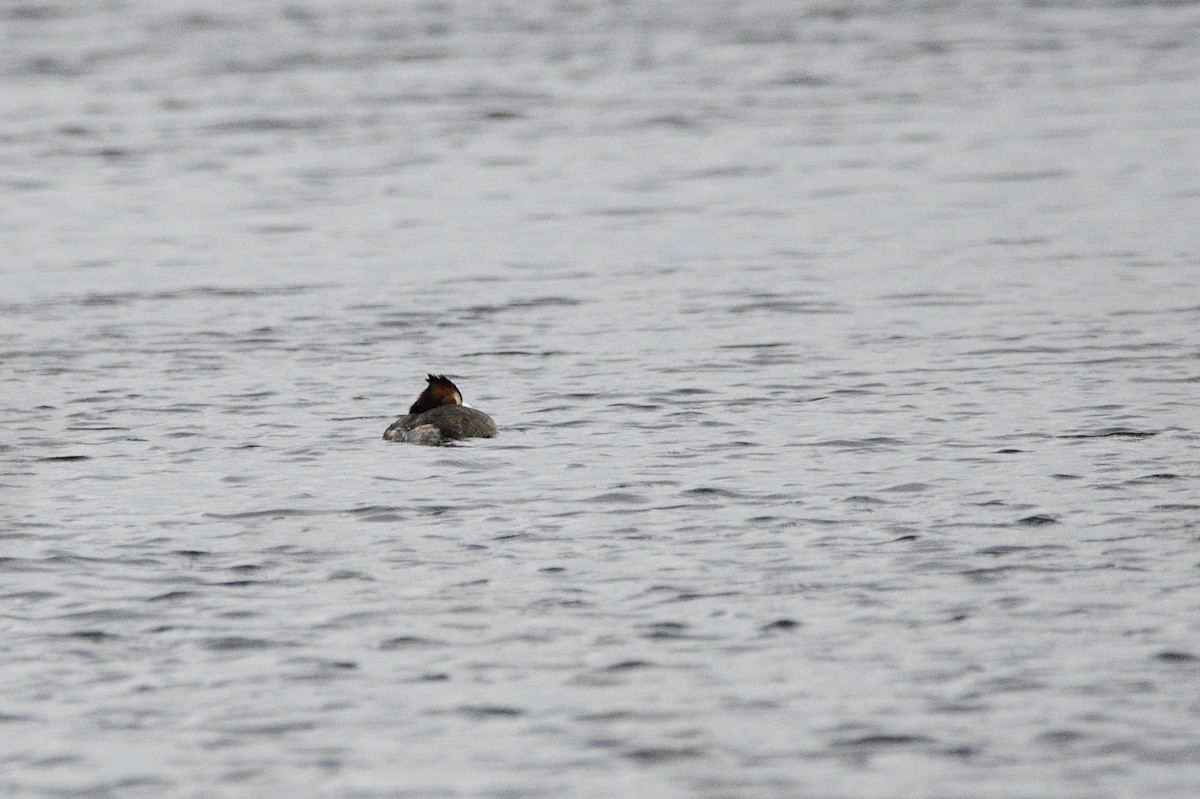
(438,416)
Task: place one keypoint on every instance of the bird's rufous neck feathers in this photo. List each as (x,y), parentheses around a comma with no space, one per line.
(440,391)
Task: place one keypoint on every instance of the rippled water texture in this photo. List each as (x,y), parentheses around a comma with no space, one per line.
(845,358)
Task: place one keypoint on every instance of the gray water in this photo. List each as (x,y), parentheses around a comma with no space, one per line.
(845,357)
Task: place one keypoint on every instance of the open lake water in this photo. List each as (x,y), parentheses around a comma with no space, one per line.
(845,357)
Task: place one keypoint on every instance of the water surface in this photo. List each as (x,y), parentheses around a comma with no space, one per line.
(844,356)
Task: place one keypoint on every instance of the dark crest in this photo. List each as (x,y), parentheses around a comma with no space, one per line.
(440,391)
